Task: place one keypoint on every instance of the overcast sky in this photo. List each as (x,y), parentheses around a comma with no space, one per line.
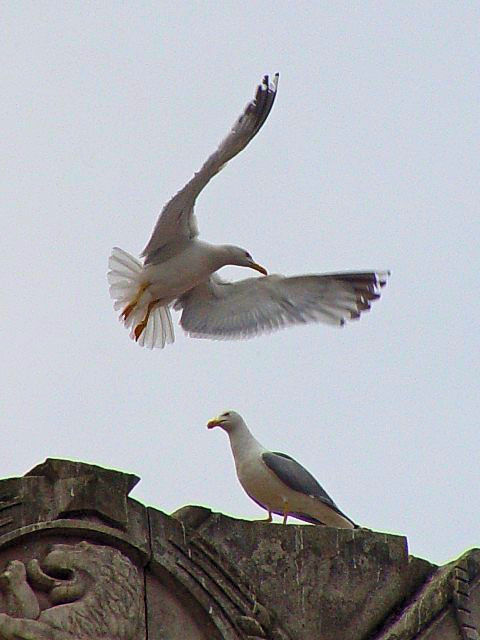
(369,160)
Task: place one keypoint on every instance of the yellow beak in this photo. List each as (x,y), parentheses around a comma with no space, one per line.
(259,268)
(214,422)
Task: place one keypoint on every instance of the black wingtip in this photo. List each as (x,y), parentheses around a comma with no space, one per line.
(268,86)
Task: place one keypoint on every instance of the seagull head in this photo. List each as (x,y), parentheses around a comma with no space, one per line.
(228,421)
(241,258)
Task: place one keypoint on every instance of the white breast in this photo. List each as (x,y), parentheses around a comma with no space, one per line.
(261,483)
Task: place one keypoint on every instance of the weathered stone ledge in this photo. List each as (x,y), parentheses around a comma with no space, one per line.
(209,576)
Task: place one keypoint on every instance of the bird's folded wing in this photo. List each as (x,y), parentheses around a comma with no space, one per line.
(223,310)
(177,220)
(297,478)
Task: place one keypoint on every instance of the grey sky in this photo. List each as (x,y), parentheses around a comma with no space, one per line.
(369,159)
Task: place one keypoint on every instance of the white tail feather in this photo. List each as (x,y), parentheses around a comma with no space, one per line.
(125,277)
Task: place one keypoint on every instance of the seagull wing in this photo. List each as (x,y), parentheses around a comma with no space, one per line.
(177,220)
(224,310)
(297,478)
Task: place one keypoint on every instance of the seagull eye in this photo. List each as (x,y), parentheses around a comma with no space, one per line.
(226,414)
(247,255)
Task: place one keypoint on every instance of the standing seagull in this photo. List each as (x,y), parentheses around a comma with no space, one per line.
(276,481)
(179,270)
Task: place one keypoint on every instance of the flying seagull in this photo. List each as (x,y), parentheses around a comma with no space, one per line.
(277,482)
(178,269)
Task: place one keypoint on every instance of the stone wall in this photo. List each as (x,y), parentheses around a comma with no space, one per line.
(81,560)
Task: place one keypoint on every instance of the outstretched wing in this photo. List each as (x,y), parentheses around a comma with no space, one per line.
(177,220)
(223,310)
(297,478)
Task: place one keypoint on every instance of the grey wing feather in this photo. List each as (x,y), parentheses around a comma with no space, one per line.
(298,478)
(222,310)
(177,220)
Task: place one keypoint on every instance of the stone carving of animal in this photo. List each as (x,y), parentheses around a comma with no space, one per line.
(96,592)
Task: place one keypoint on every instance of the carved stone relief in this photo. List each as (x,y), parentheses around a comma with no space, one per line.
(77,591)
(142,574)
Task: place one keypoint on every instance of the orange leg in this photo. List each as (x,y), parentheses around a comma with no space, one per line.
(285,513)
(130,307)
(269,519)
(140,328)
